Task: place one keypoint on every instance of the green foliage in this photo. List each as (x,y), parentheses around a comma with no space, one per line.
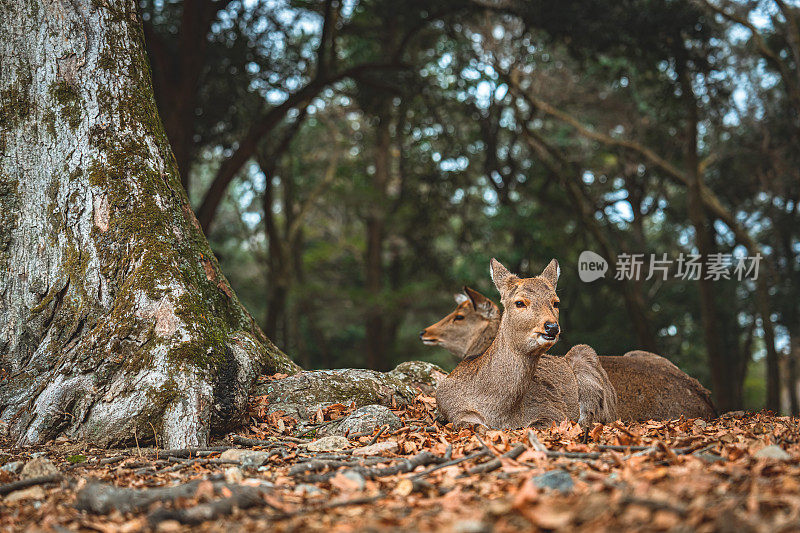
(476,170)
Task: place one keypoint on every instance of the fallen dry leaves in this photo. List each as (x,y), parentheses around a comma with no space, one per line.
(657,476)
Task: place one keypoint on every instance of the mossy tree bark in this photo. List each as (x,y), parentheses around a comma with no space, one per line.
(115,320)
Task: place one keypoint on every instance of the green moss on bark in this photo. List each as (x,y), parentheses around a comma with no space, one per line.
(69,101)
(9,201)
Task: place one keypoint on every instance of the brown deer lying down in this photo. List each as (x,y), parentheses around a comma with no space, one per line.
(648,386)
(513,383)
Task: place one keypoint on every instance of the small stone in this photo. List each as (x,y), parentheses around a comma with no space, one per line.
(772,452)
(38,467)
(555,479)
(365,419)
(31,493)
(37,454)
(233,475)
(246,458)
(700,423)
(14,467)
(378,448)
(328,444)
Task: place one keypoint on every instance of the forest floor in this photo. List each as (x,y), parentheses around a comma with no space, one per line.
(738,473)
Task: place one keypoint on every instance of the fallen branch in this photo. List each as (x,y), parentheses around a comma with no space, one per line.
(243,497)
(25,483)
(102,498)
(405,465)
(321,464)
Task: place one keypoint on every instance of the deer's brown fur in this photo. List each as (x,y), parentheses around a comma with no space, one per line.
(648,386)
(513,383)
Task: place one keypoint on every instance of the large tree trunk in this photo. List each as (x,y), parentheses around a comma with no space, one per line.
(115,320)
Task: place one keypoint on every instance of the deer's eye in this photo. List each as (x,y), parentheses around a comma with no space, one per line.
(519,303)
(556,305)
(458,317)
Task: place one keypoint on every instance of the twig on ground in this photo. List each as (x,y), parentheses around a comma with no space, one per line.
(375,438)
(320,426)
(189,452)
(452,462)
(244,441)
(496,463)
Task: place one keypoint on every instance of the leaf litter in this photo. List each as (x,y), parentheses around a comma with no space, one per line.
(740,472)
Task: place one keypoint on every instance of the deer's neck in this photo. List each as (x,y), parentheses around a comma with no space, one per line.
(484,338)
(510,372)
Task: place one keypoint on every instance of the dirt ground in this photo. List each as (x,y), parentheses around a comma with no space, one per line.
(737,473)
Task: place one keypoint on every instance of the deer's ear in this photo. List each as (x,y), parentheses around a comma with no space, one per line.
(483,305)
(460,298)
(501,277)
(551,272)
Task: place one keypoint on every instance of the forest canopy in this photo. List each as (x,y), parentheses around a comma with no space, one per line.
(356,163)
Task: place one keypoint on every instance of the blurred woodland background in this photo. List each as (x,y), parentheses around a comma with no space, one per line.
(355,162)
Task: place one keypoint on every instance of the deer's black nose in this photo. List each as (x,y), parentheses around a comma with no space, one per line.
(550,329)
(422,333)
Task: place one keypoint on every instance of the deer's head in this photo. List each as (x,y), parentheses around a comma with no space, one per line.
(530,318)
(457,331)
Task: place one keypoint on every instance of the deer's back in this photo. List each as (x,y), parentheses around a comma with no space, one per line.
(651,387)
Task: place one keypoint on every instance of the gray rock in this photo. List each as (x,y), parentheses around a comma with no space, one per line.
(302,394)
(365,419)
(246,458)
(328,444)
(14,467)
(555,479)
(38,467)
(772,452)
(425,376)
(378,448)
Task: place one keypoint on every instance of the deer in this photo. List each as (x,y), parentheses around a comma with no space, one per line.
(514,383)
(648,386)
